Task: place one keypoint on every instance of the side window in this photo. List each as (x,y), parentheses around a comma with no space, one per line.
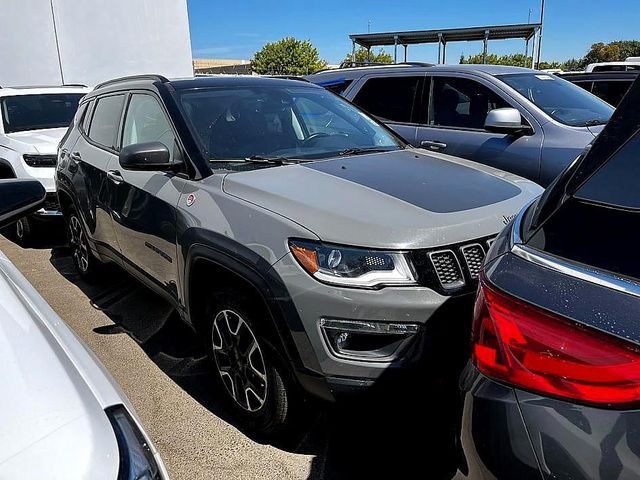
(106,119)
(87,117)
(146,122)
(337,86)
(585,85)
(611,91)
(80,114)
(391,99)
(462,103)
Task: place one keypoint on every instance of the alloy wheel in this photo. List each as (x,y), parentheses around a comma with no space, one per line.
(239,360)
(79,246)
(20,229)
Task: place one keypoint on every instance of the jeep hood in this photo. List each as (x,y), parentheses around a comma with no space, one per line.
(41,141)
(403,199)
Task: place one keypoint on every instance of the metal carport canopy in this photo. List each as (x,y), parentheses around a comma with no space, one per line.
(497,32)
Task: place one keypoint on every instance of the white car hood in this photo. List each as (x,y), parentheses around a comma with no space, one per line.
(52,418)
(42,141)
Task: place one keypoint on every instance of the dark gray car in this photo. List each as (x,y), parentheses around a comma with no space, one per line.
(306,243)
(554,378)
(523,121)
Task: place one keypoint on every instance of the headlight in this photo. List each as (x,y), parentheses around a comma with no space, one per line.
(353,267)
(136,458)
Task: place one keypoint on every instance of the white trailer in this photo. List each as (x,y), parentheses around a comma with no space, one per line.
(58,42)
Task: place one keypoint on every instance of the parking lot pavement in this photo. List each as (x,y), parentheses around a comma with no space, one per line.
(162,368)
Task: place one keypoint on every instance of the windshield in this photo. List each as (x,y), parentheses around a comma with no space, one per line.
(249,122)
(561,100)
(34,112)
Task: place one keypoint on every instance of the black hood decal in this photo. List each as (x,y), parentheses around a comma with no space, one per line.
(427,182)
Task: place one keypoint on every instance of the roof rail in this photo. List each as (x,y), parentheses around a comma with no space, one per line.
(149,76)
(349,64)
(288,77)
(417,64)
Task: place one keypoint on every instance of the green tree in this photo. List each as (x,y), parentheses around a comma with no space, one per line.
(516,59)
(287,56)
(573,65)
(612,52)
(362,56)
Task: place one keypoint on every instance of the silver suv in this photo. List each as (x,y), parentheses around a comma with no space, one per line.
(523,121)
(307,244)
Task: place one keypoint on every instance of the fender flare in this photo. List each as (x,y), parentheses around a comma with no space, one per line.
(200,244)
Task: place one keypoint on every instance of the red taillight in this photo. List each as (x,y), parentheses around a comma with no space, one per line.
(537,350)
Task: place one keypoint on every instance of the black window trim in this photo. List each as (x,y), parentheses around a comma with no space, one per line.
(95,100)
(417,99)
(158,99)
(500,93)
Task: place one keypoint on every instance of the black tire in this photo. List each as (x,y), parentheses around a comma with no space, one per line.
(85,262)
(24,231)
(265,412)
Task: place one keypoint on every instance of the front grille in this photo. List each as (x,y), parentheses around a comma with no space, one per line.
(453,269)
(473,257)
(447,269)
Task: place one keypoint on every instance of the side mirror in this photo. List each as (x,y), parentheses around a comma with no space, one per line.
(19,198)
(146,156)
(505,120)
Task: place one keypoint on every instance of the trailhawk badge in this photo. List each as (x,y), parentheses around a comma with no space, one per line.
(191,198)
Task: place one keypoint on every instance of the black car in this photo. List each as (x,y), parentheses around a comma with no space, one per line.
(553,387)
(609,86)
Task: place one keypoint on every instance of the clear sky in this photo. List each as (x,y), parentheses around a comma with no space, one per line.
(237,29)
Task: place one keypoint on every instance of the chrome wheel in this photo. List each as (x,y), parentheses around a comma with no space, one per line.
(79,246)
(239,360)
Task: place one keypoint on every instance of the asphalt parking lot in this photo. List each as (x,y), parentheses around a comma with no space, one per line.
(158,361)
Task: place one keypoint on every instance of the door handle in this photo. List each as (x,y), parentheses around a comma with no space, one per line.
(115,176)
(75,156)
(433,145)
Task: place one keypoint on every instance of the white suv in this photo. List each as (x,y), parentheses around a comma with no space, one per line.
(34,120)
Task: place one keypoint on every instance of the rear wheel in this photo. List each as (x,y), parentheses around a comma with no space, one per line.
(24,231)
(252,375)
(83,258)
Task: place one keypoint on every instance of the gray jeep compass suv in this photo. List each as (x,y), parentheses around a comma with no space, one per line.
(307,243)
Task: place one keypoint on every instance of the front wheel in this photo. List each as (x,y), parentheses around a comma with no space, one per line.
(253,378)
(83,259)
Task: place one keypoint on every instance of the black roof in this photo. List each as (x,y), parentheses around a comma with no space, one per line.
(201,81)
(236,80)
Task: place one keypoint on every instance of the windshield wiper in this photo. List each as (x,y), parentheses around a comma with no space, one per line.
(593,123)
(362,151)
(275,160)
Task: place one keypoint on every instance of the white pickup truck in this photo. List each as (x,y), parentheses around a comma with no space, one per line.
(34,120)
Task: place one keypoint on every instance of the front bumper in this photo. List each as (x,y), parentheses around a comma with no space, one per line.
(509,433)
(439,345)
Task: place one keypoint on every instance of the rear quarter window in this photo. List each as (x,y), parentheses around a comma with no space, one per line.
(106,120)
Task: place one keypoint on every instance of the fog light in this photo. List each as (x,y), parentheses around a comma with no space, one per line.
(341,340)
(366,340)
